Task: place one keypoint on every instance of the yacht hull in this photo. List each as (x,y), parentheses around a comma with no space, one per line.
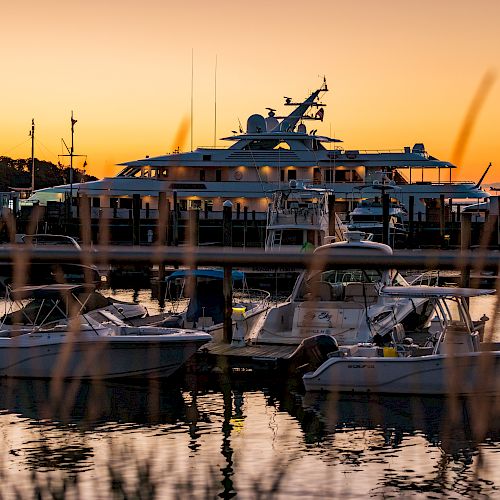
(434,374)
(53,356)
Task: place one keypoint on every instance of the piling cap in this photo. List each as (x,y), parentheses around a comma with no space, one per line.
(228,203)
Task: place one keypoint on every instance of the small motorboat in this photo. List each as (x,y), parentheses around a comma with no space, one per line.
(94,351)
(62,340)
(196,299)
(452,360)
(343,303)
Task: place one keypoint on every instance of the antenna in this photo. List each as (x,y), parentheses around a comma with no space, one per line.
(215,102)
(192,84)
(478,185)
(73,121)
(32,135)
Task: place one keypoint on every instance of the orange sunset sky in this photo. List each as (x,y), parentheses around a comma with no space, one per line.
(399,72)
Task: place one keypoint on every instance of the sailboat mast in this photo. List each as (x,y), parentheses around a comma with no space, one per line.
(32,155)
(215,103)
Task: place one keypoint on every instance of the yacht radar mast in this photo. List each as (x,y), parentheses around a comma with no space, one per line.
(289,122)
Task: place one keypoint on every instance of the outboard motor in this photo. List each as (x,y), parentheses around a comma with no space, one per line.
(311,353)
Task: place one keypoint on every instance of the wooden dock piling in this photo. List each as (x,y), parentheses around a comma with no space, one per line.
(227,224)
(385,219)
(465,240)
(136,219)
(331,214)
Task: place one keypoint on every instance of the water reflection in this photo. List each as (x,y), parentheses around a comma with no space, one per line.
(380,428)
(89,405)
(221,436)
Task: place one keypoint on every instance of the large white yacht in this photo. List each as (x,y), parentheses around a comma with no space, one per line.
(273,151)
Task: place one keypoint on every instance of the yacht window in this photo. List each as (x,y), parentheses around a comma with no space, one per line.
(96,202)
(366,218)
(282,175)
(218,175)
(292,174)
(316,176)
(343,176)
(328,174)
(163,173)
(183,205)
(292,237)
(202,175)
(206,158)
(209,205)
(113,203)
(130,172)
(195,204)
(125,202)
(355,177)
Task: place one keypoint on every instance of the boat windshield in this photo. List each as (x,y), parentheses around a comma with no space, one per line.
(359,276)
(351,276)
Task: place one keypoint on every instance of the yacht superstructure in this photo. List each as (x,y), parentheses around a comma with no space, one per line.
(273,151)
(299,218)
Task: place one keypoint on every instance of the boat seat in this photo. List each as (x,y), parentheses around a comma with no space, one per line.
(361,292)
(322,291)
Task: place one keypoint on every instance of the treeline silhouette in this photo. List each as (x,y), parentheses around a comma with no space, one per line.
(17,174)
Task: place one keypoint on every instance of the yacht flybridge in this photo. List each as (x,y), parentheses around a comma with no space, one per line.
(273,151)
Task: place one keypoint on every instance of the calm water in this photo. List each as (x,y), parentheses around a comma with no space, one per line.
(209,436)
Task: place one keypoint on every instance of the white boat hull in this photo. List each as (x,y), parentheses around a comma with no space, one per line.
(96,357)
(433,374)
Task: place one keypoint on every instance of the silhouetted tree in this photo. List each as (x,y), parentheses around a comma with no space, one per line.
(17,173)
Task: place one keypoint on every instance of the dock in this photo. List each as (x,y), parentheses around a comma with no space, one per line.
(254,357)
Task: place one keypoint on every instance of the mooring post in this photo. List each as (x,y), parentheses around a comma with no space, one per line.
(175,221)
(494,216)
(465,240)
(136,219)
(227,291)
(194,225)
(331,215)
(385,219)
(227,286)
(162,233)
(245,222)
(411,209)
(227,224)
(85,219)
(442,208)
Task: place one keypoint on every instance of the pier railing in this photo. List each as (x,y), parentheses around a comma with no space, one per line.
(480,259)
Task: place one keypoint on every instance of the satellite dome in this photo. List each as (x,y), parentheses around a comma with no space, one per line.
(256,124)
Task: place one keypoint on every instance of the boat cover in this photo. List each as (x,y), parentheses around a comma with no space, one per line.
(205,273)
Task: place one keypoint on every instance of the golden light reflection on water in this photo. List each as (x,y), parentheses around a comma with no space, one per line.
(316,463)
